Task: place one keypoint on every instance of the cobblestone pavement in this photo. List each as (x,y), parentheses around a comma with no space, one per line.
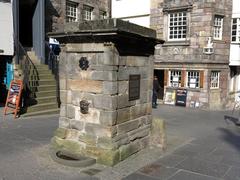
(201,146)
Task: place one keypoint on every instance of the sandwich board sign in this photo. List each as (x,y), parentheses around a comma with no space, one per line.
(14,97)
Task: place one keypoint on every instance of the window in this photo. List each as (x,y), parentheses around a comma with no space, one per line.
(177,26)
(236,30)
(175,78)
(102,15)
(193,79)
(87,13)
(71,11)
(214,79)
(218,26)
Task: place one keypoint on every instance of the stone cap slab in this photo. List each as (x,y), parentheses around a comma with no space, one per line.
(129,38)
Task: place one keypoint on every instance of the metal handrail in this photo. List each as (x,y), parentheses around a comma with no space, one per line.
(51,58)
(28,68)
(52,62)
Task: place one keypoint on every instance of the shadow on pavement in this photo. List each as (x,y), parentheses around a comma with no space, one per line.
(231,136)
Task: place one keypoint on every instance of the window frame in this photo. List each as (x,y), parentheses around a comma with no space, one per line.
(218,28)
(176,26)
(194,76)
(71,16)
(87,13)
(175,73)
(102,14)
(216,86)
(237,35)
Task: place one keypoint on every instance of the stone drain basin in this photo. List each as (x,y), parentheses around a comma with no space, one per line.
(68,159)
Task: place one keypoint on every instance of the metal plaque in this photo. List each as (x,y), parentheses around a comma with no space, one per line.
(134,87)
(83,63)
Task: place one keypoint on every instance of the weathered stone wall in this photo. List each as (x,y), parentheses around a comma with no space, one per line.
(115,127)
(56,12)
(188,54)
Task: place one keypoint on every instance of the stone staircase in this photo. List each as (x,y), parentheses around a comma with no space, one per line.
(43,90)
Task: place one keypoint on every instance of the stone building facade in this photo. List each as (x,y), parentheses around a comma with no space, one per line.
(234,59)
(195,56)
(58,13)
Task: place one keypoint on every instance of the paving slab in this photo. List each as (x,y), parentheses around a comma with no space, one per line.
(186,175)
(191,150)
(233,174)
(204,167)
(158,171)
(137,176)
(171,160)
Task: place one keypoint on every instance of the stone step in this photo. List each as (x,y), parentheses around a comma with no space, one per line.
(42,82)
(43,85)
(49,99)
(42,107)
(45,112)
(45,94)
(38,66)
(43,88)
(39,71)
(46,76)
(41,77)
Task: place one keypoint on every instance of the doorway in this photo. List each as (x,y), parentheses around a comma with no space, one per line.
(160,74)
(26,10)
(29,17)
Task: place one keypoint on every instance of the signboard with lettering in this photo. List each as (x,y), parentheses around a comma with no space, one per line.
(14,97)
(181,97)
(134,87)
(170,96)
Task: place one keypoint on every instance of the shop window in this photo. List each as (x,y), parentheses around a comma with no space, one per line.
(71,11)
(214,80)
(177,26)
(87,13)
(236,30)
(193,79)
(175,78)
(218,27)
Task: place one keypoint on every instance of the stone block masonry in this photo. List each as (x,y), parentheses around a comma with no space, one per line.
(112,127)
(186,55)
(55,18)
